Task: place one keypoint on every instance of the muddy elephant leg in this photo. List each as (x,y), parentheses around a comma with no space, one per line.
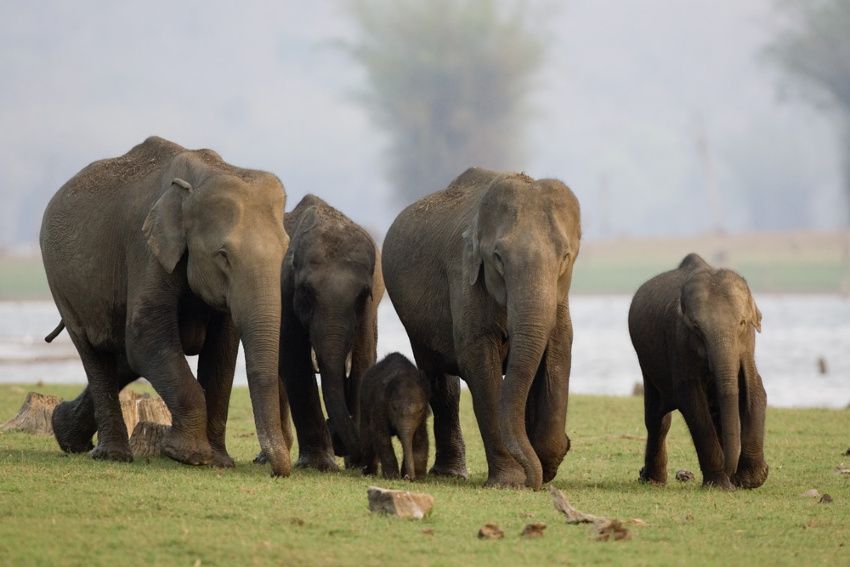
(752,468)
(657,420)
(694,407)
(314,439)
(546,408)
(482,370)
(216,366)
(420,450)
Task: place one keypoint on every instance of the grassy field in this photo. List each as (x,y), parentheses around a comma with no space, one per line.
(57,509)
(797,262)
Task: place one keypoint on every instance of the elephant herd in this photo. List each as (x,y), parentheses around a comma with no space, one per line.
(165,252)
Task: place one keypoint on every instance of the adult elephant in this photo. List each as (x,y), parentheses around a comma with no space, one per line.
(331,288)
(160,253)
(479,275)
(693,329)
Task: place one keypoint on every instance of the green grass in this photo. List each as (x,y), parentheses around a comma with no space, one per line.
(57,509)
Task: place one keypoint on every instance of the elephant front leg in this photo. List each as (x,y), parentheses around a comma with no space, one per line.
(216,366)
(657,420)
(420,450)
(694,407)
(156,353)
(752,468)
(546,409)
(314,440)
(481,367)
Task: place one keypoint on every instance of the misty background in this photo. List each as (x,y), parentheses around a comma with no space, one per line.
(665,118)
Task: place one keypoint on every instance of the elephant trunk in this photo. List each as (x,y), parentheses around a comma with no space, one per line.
(405,435)
(530,326)
(725,365)
(257,316)
(331,351)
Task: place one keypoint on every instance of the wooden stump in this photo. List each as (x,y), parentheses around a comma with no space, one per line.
(35,415)
(142,407)
(146,438)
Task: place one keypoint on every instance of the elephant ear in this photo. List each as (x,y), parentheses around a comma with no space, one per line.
(163,227)
(755,315)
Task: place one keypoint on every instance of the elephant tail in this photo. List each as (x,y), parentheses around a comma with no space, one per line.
(55,333)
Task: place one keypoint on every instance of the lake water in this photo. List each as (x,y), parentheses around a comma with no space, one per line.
(797,332)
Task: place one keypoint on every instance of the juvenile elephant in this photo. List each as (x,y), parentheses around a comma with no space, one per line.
(479,275)
(160,253)
(332,286)
(693,329)
(394,401)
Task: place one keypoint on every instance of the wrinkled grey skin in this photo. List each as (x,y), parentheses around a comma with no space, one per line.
(479,274)
(394,401)
(332,286)
(693,329)
(160,253)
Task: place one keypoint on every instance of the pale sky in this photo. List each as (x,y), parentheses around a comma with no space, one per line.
(627,89)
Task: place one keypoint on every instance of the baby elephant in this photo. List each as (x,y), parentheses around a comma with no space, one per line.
(394,401)
(694,332)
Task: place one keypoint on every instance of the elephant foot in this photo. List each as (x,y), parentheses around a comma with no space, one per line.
(321,461)
(510,477)
(186,450)
(451,471)
(222,460)
(71,433)
(719,481)
(112,452)
(551,456)
(750,475)
(656,479)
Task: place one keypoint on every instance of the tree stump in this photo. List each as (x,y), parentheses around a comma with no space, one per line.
(142,407)
(146,438)
(35,415)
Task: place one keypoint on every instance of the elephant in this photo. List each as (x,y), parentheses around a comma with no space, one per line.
(479,274)
(160,253)
(331,287)
(394,401)
(693,329)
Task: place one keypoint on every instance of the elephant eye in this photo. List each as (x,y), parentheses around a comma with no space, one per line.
(222,253)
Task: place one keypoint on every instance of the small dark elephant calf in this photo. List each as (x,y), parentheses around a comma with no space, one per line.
(394,401)
(693,329)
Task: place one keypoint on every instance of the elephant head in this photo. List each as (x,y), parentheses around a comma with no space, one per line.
(330,268)
(524,239)
(228,222)
(720,319)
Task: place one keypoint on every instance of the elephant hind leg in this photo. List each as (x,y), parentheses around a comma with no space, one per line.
(104,386)
(657,420)
(450,450)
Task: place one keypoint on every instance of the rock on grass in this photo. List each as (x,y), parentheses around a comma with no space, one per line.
(401,503)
